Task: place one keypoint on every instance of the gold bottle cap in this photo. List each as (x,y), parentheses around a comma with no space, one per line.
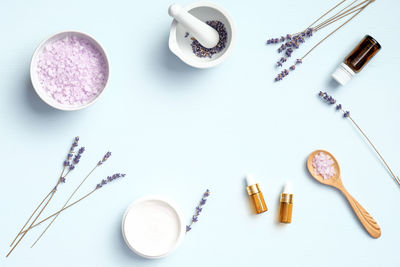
(253,189)
(287,198)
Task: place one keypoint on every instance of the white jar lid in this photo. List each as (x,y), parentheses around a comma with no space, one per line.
(343,74)
(153,227)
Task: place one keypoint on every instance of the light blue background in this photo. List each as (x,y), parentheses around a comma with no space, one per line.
(176,131)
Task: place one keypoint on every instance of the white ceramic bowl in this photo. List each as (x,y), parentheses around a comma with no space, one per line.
(181,46)
(153,227)
(34,76)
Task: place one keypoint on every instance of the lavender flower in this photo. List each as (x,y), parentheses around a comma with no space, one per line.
(282,75)
(329,99)
(289,52)
(299,61)
(186,34)
(281,48)
(199,209)
(77,158)
(293,67)
(66,162)
(106,156)
(109,179)
(282,39)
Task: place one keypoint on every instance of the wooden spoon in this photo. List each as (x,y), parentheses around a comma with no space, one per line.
(370,225)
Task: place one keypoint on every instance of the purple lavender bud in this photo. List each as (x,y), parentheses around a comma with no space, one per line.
(282,39)
(186,34)
(194,219)
(339,107)
(203,201)
(188,228)
(293,67)
(321,93)
(109,179)
(81,150)
(207,193)
(346,114)
(279,64)
(71,167)
(299,61)
(288,36)
(62,180)
(268,41)
(66,163)
(105,157)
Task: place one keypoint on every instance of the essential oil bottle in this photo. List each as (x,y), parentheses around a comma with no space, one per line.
(356,60)
(286,204)
(255,194)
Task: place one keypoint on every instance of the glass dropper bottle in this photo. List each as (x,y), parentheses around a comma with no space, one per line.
(356,60)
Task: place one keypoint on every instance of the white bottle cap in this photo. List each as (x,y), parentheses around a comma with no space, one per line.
(287,189)
(343,74)
(250,179)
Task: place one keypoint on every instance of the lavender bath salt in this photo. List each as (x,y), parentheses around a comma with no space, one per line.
(72,70)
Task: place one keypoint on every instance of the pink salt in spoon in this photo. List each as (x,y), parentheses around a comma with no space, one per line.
(332,178)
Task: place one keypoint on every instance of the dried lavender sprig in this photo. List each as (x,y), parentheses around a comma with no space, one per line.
(109,179)
(52,191)
(66,162)
(106,156)
(76,161)
(346,114)
(199,209)
(66,207)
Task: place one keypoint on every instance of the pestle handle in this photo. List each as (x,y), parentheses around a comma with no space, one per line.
(205,34)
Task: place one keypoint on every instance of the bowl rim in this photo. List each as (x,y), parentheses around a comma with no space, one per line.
(172,205)
(196,63)
(39,90)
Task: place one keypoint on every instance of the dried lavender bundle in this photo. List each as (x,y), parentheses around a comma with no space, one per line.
(291,42)
(199,209)
(346,114)
(75,161)
(103,182)
(68,166)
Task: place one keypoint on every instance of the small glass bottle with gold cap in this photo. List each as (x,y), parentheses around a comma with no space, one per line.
(286,205)
(257,198)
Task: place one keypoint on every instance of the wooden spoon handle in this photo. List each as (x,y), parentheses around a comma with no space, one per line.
(366,220)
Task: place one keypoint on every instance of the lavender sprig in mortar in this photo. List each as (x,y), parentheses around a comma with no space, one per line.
(102,183)
(346,114)
(49,195)
(199,209)
(74,163)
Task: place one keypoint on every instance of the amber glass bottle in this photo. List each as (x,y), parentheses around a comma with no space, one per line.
(356,60)
(255,194)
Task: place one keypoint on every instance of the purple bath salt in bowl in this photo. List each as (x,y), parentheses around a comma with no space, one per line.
(69,70)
